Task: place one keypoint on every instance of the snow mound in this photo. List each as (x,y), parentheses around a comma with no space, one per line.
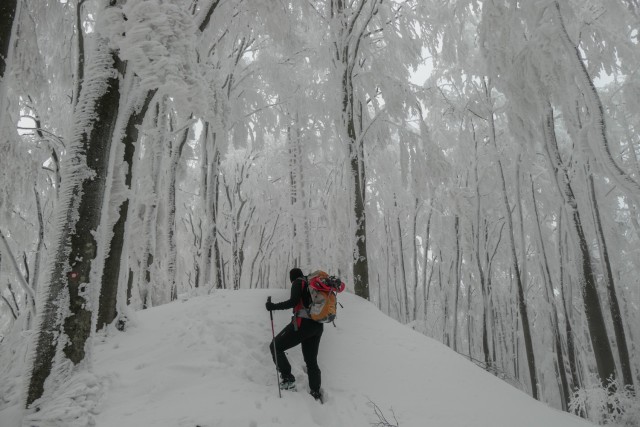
(205,362)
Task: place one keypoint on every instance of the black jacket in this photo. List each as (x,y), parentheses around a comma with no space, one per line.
(298,291)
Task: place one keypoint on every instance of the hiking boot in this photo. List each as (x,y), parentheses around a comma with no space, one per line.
(288,383)
(317,395)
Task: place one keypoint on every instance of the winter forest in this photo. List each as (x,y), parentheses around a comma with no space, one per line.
(471,167)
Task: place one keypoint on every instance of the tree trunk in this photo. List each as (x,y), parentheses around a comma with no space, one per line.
(522,302)
(456,283)
(571,347)
(414,247)
(7,17)
(107,308)
(172,256)
(150,213)
(486,302)
(616,314)
(348,39)
(425,260)
(211,194)
(361,260)
(404,315)
(298,198)
(565,393)
(593,311)
(595,108)
(66,309)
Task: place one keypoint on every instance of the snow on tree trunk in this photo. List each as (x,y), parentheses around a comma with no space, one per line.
(348,37)
(172,256)
(565,392)
(456,282)
(598,138)
(614,306)
(522,301)
(111,277)
(67,306)
(593,310)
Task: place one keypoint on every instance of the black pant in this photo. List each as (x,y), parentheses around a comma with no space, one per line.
(308,334)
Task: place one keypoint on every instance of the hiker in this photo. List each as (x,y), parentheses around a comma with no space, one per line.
(300,331)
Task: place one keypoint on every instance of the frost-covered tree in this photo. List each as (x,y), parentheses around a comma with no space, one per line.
(65,316)
(491,204)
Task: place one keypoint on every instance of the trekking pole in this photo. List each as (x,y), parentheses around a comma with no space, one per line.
(275,352)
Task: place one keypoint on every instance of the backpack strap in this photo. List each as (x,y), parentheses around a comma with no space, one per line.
(300,310)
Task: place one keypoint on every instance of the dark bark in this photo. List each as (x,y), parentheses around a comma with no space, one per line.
(207,15)
(346,53)
(360,262)
(565,393)
(456,282)
(481,273)
(216,255)
(571,348)
(593,310)
(414,247)
(404,303)
(614,306)
(76,248)
(176,154)
(7,16)
(521,298)
(109,290)
(426,284)
(107,310)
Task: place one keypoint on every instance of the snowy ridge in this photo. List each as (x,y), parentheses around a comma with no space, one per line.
(204,361)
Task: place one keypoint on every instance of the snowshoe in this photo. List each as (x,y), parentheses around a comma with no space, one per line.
(288,384)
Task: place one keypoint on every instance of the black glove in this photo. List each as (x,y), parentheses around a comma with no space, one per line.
(269,305)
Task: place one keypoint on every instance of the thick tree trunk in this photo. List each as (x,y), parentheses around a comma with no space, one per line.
(486,303)
(107,309)
(301,227)
(66,309)
(211,194)
(614,306)
(150,213)
(361,260)
(348,39)
(7,17)
(593,310)
(172,261)
(571,347)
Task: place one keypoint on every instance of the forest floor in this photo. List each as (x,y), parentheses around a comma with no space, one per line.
(204,361)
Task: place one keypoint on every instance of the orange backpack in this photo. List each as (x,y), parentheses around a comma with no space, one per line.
(324,290)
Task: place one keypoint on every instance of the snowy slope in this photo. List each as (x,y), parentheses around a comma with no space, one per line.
(205,362)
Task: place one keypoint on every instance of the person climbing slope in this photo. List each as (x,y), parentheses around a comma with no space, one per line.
(300,330)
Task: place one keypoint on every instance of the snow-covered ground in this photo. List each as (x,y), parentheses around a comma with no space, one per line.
(204,361)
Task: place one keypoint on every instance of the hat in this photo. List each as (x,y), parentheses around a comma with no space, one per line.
(295,273)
